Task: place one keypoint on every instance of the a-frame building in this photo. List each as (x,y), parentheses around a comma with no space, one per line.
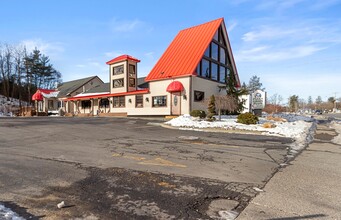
(194,66)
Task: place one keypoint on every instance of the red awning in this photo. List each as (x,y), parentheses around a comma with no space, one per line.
(37,96)
(175,86)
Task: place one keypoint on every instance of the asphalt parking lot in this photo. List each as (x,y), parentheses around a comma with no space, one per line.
(120,168)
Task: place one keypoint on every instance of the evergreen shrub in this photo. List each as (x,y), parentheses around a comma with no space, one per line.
(247,118)
(198,113)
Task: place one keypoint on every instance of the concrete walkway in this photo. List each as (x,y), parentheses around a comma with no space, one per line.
(310,188)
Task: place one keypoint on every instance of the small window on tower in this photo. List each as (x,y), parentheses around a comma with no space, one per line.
(132,82)
(118,83)
(116,70)
(132,70)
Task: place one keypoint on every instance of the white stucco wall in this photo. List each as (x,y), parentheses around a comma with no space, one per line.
(208,87)
(156,88)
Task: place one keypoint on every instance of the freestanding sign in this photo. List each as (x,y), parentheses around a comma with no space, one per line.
(258,101)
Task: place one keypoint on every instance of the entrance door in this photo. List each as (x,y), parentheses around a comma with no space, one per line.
(175,105)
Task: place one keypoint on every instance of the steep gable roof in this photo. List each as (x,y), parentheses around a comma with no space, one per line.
(186,50)
(68,87)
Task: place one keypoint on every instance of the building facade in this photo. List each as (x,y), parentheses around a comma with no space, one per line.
(195,66)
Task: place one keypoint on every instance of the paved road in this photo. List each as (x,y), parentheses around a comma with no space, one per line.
(119,168)
(307,189)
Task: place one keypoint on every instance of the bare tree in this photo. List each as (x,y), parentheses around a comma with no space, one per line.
(276,100)
(225,102)
(6,69)
(19,54)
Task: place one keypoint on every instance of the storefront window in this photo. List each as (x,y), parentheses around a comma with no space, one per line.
(159,101)
(104,103)
(86,104)
(119,102)
(139,101)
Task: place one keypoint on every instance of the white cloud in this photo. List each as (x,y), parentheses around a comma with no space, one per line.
(268,33)
(93,66)
(126,25)
(51,49)
(230,26)
(267,53)
(150,55)
(309,31)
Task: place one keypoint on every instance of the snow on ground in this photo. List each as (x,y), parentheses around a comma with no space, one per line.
(298,127)
(8,107)
(337,126)
(8,214)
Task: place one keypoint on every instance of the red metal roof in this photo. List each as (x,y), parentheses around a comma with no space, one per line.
(142,91)
(46,91)
(185,52)
(122,58)
(175,86)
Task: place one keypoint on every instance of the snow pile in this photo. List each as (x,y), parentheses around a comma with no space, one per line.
(294,117)
(8,214)
(298,128)
(8,107)
(337,127)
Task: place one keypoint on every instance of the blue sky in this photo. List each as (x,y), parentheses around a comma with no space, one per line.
(292,45)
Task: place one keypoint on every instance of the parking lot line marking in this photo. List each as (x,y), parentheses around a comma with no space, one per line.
(167,185)
(162,162)
(218,145)
(129,157)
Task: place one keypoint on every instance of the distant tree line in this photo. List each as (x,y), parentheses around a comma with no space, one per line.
(22,72)
(296,104)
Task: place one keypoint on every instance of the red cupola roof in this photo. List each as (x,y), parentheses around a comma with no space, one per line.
(122,58)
